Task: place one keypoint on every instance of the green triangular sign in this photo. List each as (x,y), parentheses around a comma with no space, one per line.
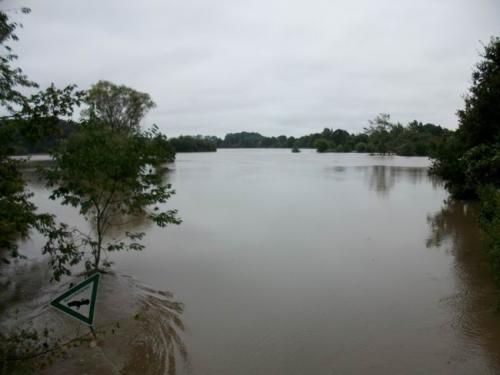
(79,301)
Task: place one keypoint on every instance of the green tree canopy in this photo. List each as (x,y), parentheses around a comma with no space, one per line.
(22,114)
(471,158)
(117,106)
(11,78)
(480,118)
(111,176)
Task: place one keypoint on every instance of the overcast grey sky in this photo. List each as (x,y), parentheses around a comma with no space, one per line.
(276,67)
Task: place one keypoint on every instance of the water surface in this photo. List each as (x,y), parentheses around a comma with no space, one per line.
(317,264)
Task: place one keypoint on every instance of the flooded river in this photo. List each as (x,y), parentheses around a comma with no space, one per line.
(306,264)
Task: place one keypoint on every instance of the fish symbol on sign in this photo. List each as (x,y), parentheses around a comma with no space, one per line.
(79,303)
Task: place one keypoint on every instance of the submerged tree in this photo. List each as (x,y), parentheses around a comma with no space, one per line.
(109,175)
(108,167)
(31,115)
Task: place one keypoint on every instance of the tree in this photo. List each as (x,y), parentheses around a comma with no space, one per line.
(11,78)
(17,213)
(119,107)
(322,145)
(381,123)
(244,140)
(340,137)
(471,158)
(111,176)
(31,116)
(489,220)
(469,161)
(378,131)
(188,143)
(360,147)
(480,119)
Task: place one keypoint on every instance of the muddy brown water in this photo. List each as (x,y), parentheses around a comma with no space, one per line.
(301,264)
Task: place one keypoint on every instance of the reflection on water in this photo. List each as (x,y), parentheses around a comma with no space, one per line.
(455,221)
(453,228)
(383,178)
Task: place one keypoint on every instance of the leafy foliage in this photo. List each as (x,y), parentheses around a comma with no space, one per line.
(469,161)
(27,115)
(11,78)
(111,176)
(252,140)
(43,112)
(322,145)
(22,141)
(489,219)
(470,158)
(198,143)
(107,168)
(415,139)
(480,118)
(381,137)
(17,213)
(118,107)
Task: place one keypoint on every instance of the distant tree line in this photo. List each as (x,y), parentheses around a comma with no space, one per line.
(381,137)
(255,140)
(196,143)
(21,141)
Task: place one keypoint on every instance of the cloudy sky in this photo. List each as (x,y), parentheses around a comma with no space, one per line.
(277,67)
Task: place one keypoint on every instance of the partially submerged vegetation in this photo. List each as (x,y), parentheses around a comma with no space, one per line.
(34,117)
(105,166)
(469,159)
(381,137)
(110,170)
(384,137)
(110,175)
(197,143)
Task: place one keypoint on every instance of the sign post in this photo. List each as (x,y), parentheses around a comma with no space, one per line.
(79,301)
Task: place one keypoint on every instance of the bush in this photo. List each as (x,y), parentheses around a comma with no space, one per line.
(321,145)
(360,147)
(489,220)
